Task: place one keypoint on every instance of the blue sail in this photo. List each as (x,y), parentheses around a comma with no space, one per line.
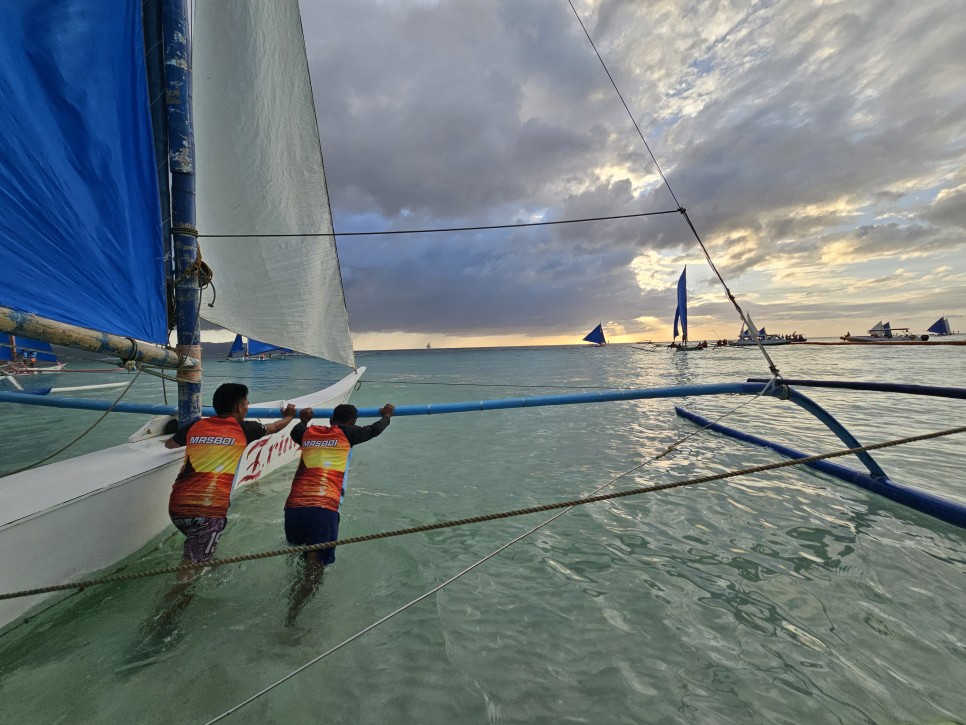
(940,327)
(35,348)
(681,312)
(80,221)
(596,335)
(237,347)
(256,347)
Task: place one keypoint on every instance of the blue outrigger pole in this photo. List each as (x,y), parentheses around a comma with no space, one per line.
(184,234)
(875,479)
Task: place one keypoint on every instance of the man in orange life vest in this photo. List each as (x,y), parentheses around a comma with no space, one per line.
(312,508)
(201,493)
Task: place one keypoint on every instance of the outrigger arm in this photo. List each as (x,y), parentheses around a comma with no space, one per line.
(127,349)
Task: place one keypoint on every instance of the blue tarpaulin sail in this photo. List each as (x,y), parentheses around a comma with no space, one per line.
(80,222)
(257,348)
(239,348)
(596,335)
(681,312)
(19,347)
(940,327)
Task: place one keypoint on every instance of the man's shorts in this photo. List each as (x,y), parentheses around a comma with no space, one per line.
(201,537)
(312,525)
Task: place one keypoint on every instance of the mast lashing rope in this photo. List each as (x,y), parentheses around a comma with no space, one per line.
(480,519)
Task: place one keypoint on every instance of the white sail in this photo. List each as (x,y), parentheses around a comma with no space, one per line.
(259,171)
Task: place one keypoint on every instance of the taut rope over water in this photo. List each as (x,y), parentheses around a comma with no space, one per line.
(471,567)
(480,519)
(684,212)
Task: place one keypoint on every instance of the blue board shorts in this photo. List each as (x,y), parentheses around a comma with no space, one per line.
(201,537)
(308,525)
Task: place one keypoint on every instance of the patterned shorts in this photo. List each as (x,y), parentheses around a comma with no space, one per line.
(201,537)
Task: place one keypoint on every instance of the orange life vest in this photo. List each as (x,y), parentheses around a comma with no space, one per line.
(320,477)
(203,487)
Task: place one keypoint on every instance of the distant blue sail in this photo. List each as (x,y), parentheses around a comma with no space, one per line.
(80,220)
(258,348)
(762,332)
(237,347)
(41,350)
(681,313)
(940,327)
(596,335)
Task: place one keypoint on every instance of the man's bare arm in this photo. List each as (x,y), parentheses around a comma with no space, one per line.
(278,425)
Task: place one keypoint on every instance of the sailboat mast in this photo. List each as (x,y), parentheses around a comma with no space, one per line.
(184,234)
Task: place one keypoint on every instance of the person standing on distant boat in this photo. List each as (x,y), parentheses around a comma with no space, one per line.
(202,491)
(318,488)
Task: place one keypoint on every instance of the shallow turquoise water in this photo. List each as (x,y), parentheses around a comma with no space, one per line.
(788,597)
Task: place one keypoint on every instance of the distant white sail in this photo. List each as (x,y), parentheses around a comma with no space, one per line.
(259,171)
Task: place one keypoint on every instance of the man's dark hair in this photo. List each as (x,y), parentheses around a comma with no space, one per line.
(344,413)
(227,395)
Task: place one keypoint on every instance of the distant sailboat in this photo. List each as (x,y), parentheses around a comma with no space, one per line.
(885,333)
(681,316)
(596,336)
(940,327)
(747,338)
(429,346)
(23,356)
(242,351)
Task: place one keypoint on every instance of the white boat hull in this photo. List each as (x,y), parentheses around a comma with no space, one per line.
(18,369)
(867,339)
(64,521)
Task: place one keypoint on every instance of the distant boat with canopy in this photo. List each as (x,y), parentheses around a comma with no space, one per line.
(885,333)
(24,356)
(748,337)
(596,336)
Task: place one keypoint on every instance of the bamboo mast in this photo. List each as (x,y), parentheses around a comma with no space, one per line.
(181,159)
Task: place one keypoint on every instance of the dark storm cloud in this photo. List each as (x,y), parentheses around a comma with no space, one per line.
(791,124)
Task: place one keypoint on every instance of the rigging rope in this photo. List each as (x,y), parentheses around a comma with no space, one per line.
(89,429)
(450,229)
(468,569)
(471,384)
(480,519)
(771,365)
(378,622)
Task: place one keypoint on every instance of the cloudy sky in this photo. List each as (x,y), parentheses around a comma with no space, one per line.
(818,146)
